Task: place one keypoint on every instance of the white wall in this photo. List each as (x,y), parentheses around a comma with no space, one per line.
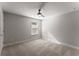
(1,29)
(17,29)
(63,29)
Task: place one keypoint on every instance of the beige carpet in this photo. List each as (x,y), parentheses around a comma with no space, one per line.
(39,48)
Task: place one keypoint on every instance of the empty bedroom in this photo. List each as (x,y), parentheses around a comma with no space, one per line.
(39,28)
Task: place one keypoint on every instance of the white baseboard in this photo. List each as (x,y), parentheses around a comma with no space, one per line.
(60,43)
(68,45)
(64,44)
(9,44)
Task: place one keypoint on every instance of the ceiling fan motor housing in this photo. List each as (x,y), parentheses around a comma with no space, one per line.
(39,12)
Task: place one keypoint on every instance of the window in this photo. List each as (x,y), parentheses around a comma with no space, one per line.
(34,28)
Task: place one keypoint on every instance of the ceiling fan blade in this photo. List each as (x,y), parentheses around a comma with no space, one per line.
(42,5)
(42,15)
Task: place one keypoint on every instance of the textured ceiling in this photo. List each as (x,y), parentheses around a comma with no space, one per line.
(49,9)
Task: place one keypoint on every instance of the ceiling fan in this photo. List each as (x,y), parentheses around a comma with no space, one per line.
(40,9)
(39,13)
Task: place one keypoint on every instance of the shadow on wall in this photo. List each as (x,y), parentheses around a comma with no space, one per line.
(45,32)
